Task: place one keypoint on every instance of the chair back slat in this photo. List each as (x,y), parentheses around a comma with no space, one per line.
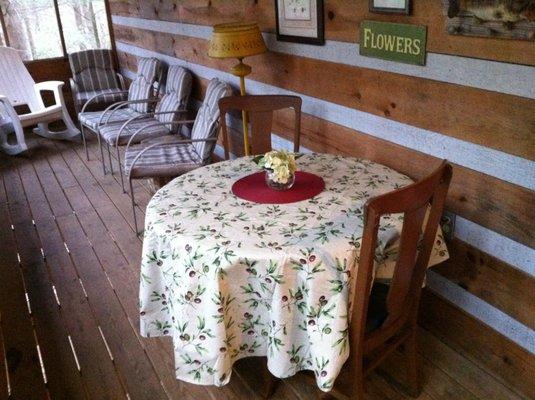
(16,83)
(94,70)
(206,123)
(176,95)
(141,88)
(421,204)
(260,109)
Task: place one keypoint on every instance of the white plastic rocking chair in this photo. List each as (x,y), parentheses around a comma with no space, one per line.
(17,88)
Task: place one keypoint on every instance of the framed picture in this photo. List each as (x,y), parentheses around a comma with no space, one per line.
(300,21)
(390,6)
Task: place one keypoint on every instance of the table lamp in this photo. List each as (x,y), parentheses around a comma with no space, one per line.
(238,40)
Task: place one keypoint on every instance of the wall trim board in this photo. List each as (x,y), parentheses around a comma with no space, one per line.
(453,110)
(514,79)
(492,162)
(501,247)
(482,311)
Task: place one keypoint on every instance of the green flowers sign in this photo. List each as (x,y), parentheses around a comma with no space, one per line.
(395,42)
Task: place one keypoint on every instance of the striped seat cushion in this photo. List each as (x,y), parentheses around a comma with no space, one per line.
(91,118)
(109,132)
(93,70)
(166,159)
(109,96)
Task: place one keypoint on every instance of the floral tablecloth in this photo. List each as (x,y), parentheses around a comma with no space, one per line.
(228,279)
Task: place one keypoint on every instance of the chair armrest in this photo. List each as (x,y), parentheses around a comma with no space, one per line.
(100,95)
(49,85)
(55,87)
(121,104)
(179,141)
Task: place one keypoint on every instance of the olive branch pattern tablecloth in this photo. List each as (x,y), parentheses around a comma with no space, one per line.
(227,278)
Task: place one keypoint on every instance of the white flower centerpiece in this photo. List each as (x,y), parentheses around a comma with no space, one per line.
(280,168)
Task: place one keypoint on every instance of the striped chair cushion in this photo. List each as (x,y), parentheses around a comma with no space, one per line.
(166,159)
(177,91)
(110,96)
(206,123)
(93,70)
(91,118)
(110,131)
(142,87)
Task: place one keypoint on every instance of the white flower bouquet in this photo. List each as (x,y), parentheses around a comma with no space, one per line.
(280,168)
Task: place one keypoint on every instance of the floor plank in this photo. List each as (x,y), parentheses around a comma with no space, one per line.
(24,371)
(98,371)
(83,223)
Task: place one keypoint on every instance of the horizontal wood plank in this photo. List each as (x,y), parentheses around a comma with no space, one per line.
(505,360)
(454,110)
(492,280)
(342,19)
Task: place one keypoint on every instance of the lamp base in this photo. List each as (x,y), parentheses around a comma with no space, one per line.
(241,70)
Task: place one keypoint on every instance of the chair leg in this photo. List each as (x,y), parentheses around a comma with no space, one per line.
(84,140)
(413,365)
(101,154)
(109,157)
(133,203)
(357,387)
(120,168)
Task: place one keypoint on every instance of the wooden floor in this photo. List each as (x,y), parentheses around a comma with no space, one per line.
(69,264)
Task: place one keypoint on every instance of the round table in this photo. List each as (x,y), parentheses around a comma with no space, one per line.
(227,278)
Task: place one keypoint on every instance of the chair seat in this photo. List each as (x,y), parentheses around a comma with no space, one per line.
(91,118)
(109,132)
(164,160)
(112,95)
(377,310)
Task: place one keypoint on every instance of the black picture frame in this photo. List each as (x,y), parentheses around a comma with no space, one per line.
(387,10)
(319,39)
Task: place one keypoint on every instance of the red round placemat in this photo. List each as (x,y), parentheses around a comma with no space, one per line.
(254,188)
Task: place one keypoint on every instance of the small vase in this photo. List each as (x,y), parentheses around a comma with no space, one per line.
(277,185)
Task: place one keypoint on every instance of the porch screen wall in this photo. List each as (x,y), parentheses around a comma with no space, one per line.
(40,27)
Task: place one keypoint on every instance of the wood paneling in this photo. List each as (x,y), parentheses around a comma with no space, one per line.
(492,280)
(342,18)
(490,202)
(457,111)
(474,340)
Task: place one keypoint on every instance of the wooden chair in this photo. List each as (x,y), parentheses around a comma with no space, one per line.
(387,318)
(384,317)
(260,113)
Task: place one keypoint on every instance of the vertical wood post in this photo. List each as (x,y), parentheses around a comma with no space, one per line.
(60,27)
(4,27)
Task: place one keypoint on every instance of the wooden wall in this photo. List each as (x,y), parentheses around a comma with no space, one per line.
(474,102)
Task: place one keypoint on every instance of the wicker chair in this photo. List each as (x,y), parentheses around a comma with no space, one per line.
(172,155)
(95,78)
(174,102)
(141,99)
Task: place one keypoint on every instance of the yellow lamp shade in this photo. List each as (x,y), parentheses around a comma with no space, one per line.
(236,40)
